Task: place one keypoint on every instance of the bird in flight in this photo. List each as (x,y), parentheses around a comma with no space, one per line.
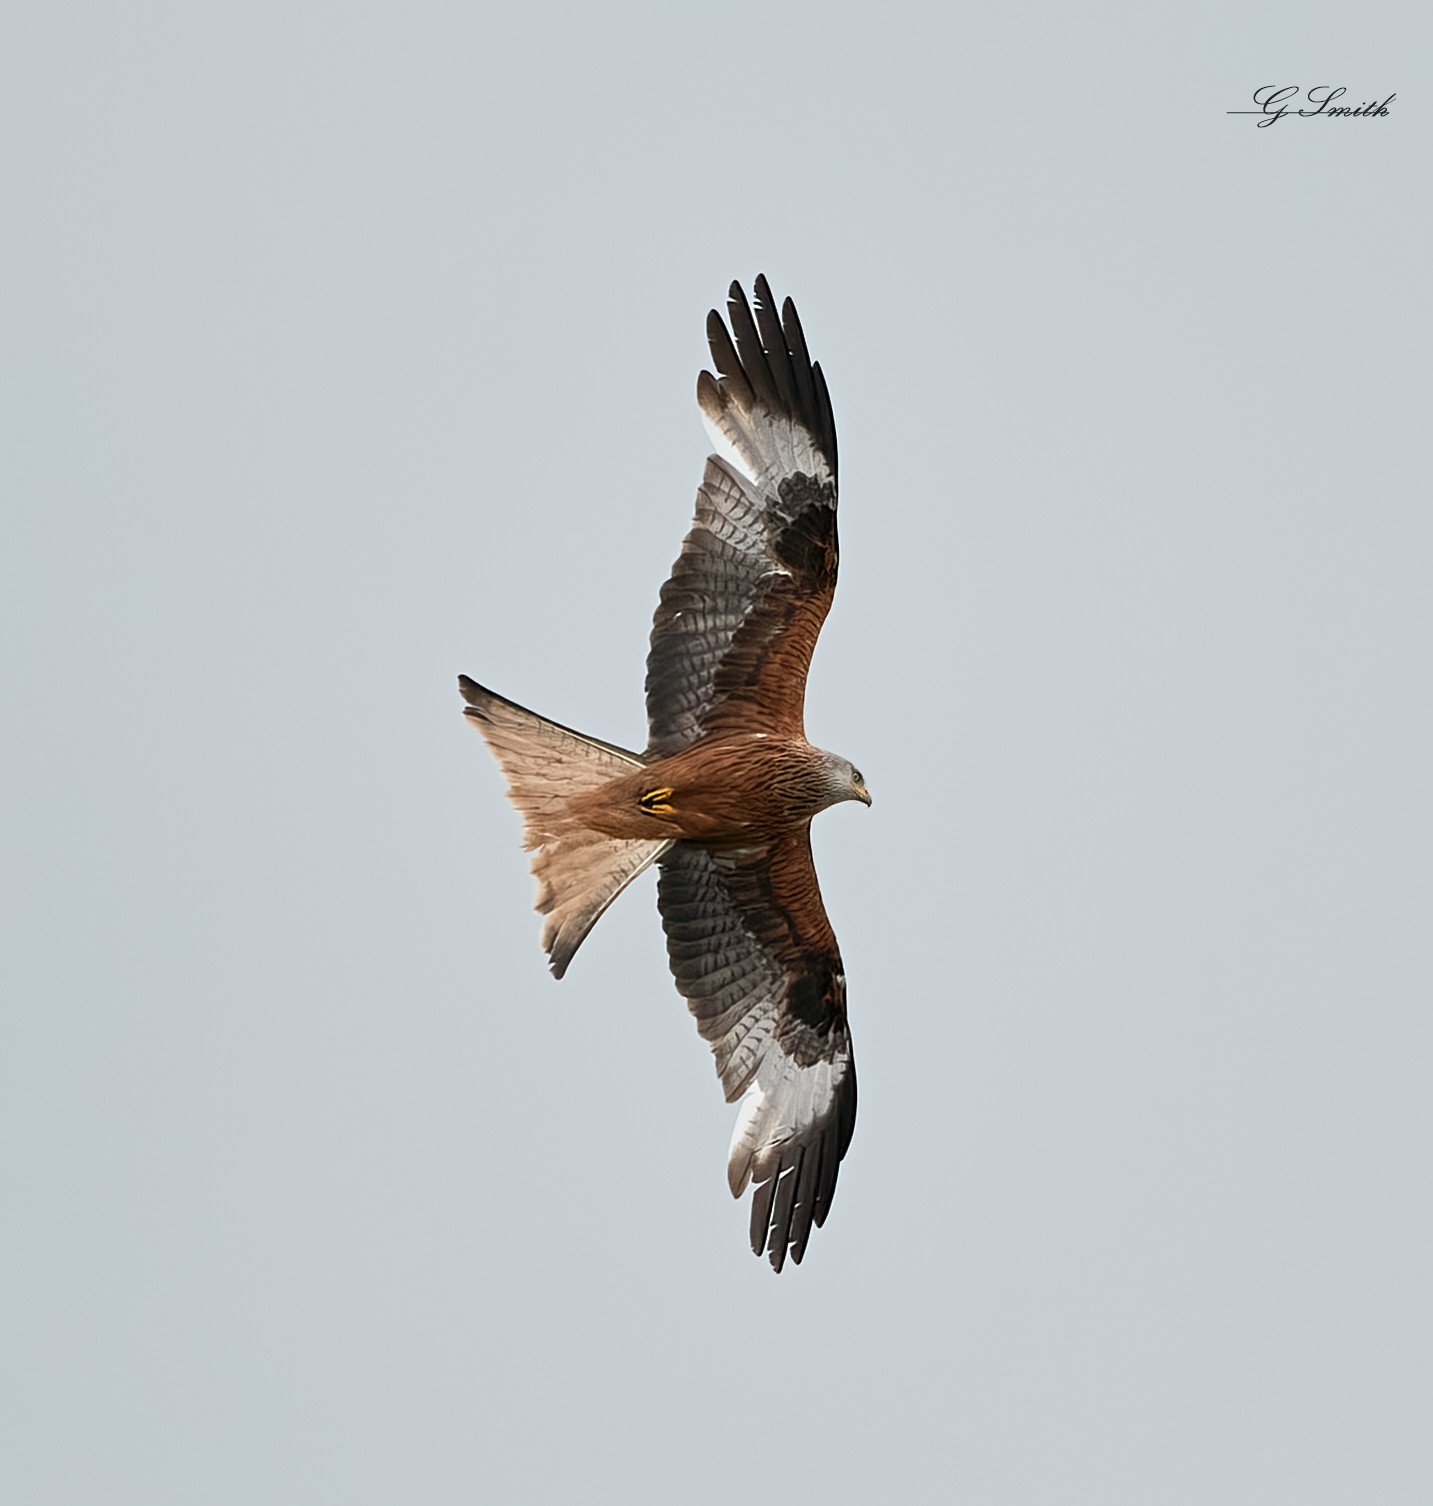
(723,796)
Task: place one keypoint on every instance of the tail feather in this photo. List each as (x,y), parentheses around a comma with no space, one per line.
(579,872)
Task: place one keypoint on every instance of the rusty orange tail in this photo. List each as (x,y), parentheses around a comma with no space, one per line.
(579,872)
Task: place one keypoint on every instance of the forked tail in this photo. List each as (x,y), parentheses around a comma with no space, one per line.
(579,872)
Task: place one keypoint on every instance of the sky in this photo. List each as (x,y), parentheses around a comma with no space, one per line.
(350,348)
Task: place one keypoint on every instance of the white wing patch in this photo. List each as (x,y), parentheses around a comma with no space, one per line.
(726,449)
(783,1102)
(762,448)
(744,1138)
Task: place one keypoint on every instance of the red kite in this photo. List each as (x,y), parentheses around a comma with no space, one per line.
(723,797)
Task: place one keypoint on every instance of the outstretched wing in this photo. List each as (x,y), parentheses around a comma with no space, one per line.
(755,958)
(737,622)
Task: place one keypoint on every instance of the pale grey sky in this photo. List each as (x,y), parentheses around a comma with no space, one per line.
(346,349)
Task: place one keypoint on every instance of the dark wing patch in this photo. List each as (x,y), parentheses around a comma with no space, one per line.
(738,619)
(753,954)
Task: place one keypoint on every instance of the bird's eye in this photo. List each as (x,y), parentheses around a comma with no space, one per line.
(858,776)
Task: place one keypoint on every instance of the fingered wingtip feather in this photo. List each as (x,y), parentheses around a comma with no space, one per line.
(761,358)
(558,966)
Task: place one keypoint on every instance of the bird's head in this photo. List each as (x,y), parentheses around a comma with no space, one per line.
(844,781)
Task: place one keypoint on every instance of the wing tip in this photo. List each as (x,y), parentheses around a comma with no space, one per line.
(558,960)
(796,1179)
(765,358)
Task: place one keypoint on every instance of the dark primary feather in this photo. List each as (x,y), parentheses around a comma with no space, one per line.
(753,954)
(770,361)
(738,619)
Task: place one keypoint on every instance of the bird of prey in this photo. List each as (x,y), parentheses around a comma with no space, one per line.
(723,796)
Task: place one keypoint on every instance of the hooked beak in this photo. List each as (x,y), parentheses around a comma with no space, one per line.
(862,793)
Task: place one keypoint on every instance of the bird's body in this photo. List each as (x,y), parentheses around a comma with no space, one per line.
(722,797)
(733,789)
